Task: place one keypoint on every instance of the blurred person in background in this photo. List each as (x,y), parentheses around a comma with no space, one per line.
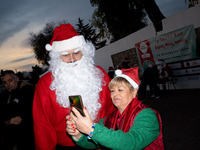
(111,72)
(16,112)
(164,74)
(150,77)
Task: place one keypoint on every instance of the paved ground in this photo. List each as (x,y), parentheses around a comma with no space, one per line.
(180,112)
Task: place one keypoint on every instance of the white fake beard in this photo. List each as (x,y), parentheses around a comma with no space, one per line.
(78,78)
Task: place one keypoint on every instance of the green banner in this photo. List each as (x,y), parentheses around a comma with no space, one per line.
(174,46)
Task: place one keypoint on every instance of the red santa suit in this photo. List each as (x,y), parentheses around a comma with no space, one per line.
(50,117)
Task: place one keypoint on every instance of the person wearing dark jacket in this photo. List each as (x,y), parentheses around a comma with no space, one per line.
(16,112)
(111,72)
(149,78)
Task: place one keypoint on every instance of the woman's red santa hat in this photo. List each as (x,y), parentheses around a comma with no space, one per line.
(131,75)
(65,38)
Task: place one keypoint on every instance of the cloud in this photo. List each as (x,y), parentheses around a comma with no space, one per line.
(170,7)
(11,19)
(17,15)
(6,33)
(21,59)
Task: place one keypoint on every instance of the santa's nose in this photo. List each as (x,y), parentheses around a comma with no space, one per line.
(72,57)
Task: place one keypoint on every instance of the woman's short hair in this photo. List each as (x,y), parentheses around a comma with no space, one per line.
(117,81)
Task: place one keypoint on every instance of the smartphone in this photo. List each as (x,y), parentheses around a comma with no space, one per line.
(76,101)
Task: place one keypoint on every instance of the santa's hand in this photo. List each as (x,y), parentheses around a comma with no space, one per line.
(83,124)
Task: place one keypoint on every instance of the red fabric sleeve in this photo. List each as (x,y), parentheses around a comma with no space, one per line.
(106,103)
(45,135)
(49,118)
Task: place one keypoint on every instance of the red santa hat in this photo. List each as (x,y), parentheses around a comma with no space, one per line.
(131,75)
(65,38)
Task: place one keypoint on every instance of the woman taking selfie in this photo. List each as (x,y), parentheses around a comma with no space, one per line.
(131,126)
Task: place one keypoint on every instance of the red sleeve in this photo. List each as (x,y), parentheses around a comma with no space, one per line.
(106,103)
(45,135)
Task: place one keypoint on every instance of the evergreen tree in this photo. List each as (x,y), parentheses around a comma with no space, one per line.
(90,34)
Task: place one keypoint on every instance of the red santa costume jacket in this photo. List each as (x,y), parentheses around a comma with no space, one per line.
(50,118)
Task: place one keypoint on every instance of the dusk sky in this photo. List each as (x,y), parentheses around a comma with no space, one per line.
(18,18)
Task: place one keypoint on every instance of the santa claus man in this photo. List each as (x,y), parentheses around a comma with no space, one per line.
(72,72)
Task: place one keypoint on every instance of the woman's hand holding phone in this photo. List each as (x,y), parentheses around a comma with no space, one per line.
(83,124)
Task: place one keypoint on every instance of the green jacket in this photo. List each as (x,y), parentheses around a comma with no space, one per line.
(143,132)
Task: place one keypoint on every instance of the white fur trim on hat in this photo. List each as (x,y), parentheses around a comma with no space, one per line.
(131,81)
(118,72)
(69,44)
(48,47)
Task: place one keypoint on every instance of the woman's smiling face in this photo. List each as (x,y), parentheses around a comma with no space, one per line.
(121,96)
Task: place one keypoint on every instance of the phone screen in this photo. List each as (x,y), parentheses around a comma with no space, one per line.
(76,101)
